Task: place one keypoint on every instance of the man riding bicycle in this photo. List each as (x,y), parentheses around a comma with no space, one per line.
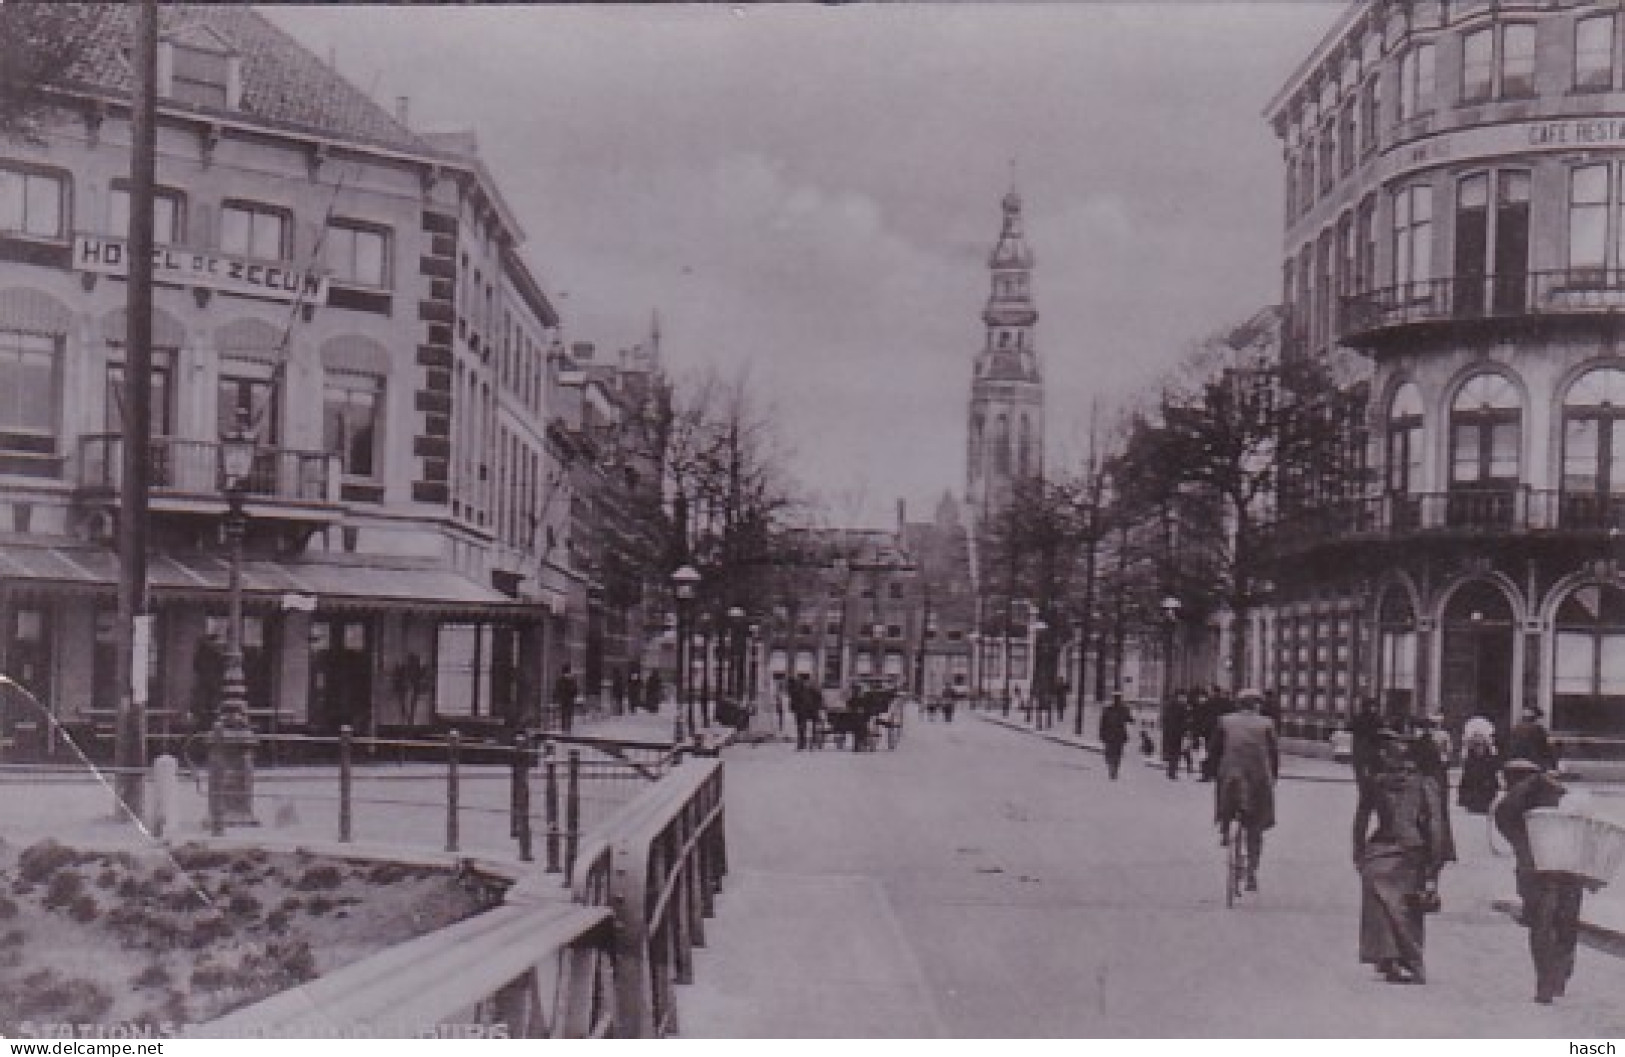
(1249,761)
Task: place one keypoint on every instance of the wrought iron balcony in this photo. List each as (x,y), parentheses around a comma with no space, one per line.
(190,472)
(1401,517)
(1568,292)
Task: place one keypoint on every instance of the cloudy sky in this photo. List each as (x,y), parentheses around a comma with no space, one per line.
(810,193)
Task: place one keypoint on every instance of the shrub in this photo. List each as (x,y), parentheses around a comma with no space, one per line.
(320,879)
(46,992)
(84,909)
(39,861)
(319,905)
(243,905)
(64,888)
(154,975)
(195,857)
(108,878)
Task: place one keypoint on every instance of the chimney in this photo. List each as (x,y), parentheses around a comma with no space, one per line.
(403,110)
(902,515)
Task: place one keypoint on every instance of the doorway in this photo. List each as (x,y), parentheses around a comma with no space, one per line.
(340,674)
(1476,655)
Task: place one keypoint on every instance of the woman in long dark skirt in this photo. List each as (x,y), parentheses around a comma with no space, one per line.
(1399,862)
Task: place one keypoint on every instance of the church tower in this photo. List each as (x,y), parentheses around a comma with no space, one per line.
(1006,436)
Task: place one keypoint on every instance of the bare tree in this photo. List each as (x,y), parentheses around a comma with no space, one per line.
(1242,432)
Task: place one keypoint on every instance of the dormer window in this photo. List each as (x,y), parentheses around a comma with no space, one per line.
(198,67)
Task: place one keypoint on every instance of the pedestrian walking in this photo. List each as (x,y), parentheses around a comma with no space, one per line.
(1114,721)
(805,706)
(1480,766)
(1551,899)
(1173,733)
(653,692)
(1398,862)
(564,698)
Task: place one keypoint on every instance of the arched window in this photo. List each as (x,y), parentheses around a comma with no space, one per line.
(1404,455)
(1593,446)
(1485,433)
(1588,662)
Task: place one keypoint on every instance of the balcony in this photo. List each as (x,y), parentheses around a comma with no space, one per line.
(187,475)
(1376,314)
(1469,513)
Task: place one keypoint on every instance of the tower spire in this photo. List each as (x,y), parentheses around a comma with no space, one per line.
(1007,393)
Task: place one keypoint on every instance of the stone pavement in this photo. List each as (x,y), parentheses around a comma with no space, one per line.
(1485,877)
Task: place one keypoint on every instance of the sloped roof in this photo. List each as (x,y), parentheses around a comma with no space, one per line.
(284,85)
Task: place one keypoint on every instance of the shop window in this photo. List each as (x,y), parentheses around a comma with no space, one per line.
(1588,663)
(463,669)
(249,229)
(358,253)
(33,202)
(30,379)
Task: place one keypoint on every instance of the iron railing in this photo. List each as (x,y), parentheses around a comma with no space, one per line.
(597,956)
(1567,291)
(1518,510)
(543,792)
(192,469)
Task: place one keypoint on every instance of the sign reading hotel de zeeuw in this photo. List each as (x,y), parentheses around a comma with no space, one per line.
(216,271)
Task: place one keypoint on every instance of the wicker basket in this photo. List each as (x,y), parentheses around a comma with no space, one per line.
(1575,843)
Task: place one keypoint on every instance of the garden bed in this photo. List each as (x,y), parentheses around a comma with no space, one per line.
(154,942)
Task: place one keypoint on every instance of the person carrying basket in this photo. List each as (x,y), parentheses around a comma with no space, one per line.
(1551,898)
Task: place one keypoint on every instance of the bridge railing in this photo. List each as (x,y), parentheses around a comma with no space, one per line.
(596,956)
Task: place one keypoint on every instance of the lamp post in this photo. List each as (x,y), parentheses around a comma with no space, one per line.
(736,653)
(975,638)
(1082,661)
(231,752)
(1037,688)
(753,653)
(683,583)
(1170,611)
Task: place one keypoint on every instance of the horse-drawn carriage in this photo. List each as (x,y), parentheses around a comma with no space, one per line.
(873,710)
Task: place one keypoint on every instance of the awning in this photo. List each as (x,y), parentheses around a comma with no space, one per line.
(28,569)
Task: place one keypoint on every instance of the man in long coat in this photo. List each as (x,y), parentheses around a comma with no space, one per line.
(1249,761)
(1173,719)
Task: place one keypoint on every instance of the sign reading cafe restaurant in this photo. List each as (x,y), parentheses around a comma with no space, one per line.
(217,271)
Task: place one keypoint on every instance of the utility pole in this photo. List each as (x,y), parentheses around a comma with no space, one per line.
(129,747)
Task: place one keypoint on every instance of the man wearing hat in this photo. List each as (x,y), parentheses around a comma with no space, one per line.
(1551,900)
(1529,741)
(1249,760)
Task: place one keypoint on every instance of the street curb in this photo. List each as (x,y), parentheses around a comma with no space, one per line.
(1089,746)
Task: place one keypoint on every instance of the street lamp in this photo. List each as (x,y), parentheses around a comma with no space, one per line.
(683,582)
(753,652)
(231,752)
(975,638)
(1170,611)
(1083,674)
(736,631)
(1036,708)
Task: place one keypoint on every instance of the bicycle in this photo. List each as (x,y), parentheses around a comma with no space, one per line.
(1235,862)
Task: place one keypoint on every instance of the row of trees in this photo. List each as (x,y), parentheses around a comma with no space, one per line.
(1177,502)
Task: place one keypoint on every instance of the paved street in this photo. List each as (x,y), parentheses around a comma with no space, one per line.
(983,882)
